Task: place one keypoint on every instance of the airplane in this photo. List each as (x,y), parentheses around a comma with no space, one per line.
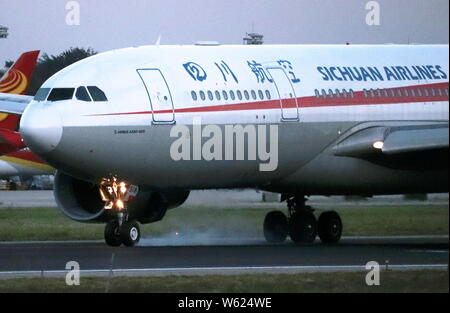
(132,131)
(15,159)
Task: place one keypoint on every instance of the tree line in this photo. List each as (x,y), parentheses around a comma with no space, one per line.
(48,65)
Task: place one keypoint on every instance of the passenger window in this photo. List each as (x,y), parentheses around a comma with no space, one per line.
(97,94)
(60,94)
(247,96)
(210,95)
(324,93)
(202,95)
(41,94)
(239,94)
(225,95)
(366,94)
(253,95)
(330,93)
(232,95)
(194,96)
(352,93)
(269,96)
(261,94)
(316,92)
(82,94)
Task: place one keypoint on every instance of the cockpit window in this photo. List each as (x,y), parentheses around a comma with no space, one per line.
(60,94)
(82,94)
(41,94)
(97,94)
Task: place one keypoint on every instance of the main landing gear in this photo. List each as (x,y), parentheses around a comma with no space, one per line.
(301,224)
(122,229)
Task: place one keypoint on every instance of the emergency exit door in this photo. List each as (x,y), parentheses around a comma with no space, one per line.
(159,96)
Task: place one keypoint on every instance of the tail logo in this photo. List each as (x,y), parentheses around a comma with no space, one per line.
(15,82)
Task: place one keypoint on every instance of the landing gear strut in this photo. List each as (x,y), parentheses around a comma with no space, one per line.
(121,230)
(301,224)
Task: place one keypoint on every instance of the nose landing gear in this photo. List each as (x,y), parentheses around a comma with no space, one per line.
(301,224)
(116,196)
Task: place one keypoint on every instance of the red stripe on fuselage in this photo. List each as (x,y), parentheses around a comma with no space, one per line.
(359,98)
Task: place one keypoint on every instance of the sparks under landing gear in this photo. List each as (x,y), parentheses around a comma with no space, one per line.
(301,224)
(121,230)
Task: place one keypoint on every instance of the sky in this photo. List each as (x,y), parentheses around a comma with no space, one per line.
(110,24)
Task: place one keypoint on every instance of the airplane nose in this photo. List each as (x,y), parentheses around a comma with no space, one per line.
(41,128)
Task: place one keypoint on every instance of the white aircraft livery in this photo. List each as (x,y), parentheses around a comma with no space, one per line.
(132,131)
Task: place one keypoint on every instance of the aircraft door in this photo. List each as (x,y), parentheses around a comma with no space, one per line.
(159,96)
(286,94)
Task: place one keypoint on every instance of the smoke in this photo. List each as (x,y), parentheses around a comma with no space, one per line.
(211,218)
(210,237)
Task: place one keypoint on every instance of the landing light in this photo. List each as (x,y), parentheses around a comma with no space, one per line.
(119,204)
(378,145)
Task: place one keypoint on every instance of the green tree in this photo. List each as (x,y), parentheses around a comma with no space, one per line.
(48,65)
(8,64)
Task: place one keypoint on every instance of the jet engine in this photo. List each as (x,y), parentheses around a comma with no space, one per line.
(82,202)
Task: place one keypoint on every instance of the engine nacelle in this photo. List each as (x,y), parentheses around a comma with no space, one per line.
(81,201)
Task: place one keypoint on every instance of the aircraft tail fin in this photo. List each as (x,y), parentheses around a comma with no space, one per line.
(17,78)
(17,81)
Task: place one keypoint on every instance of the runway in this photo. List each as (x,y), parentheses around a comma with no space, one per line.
(94,258)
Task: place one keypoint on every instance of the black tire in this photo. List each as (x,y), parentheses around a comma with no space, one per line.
(130,233)
(303,228)
(330,227)
(276,227)
(112,235)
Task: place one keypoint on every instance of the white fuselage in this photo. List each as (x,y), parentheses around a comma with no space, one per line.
(313,94)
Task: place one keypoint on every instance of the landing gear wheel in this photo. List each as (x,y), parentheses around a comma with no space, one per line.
(330,227)
(130,233)
(276,227)
(303,227)
(112,234)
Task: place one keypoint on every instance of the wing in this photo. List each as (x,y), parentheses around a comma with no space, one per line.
(413,146)
(13,104)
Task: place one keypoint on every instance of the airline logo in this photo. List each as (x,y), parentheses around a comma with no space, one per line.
(16,81)
(387,73)
(199,74)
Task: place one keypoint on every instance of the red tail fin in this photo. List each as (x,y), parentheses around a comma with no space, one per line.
(17,81)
